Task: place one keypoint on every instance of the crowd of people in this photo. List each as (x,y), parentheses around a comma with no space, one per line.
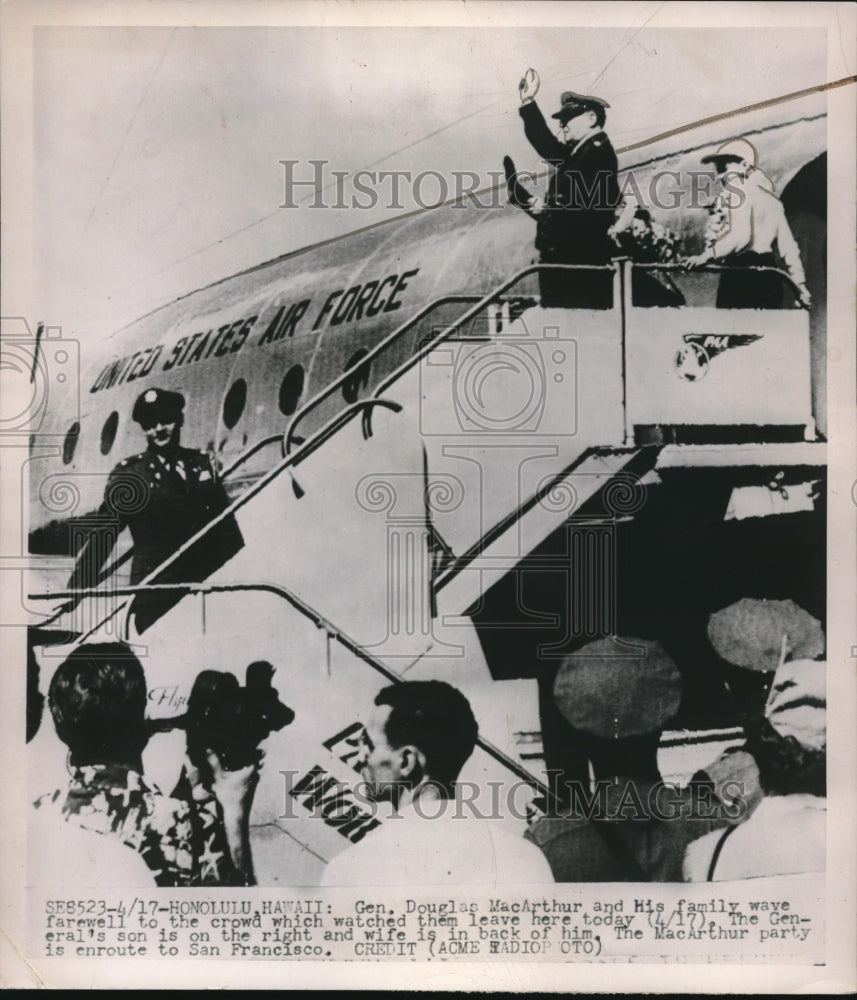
(197,835)
(625,824)
(420,735)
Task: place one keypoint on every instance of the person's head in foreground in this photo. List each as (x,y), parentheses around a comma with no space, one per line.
(97,699)
(417,740)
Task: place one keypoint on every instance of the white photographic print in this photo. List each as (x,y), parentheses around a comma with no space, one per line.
(428,551)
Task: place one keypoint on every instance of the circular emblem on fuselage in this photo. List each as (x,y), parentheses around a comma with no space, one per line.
(691,362)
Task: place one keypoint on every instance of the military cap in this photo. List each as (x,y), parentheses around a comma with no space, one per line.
(614,688)
(157,403)
(573,105)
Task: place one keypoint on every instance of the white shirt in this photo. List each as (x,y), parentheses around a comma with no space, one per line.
(61,855)
(433,843)
(755,221)
(785,835)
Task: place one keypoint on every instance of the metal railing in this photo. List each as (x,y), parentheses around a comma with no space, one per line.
(251,451)
(486,300)
(331,630)
(679,268)
(338,420)
(328,429)
(367,359)
(287,438)
(713,268)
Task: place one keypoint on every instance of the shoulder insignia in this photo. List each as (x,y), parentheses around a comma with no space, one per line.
(130,459)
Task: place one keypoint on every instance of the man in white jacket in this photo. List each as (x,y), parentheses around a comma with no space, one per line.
(746,222)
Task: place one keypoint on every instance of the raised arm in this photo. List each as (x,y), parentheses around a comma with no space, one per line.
(536,129)
(235,791)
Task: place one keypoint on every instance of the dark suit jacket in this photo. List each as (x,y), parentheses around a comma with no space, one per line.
(582,196)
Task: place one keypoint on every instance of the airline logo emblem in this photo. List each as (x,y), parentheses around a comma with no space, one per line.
(692,361)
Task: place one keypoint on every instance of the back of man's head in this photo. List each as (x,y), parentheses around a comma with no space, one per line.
(98,701)
(437,719)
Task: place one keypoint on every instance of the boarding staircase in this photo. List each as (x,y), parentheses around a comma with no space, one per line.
(381,523)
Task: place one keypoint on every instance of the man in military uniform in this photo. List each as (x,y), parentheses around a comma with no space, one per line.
(583,193)
(164,495)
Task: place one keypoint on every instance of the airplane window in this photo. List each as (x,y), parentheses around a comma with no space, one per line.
(70,442)
(108,432)
(233,405)
(291,389)
(353,386)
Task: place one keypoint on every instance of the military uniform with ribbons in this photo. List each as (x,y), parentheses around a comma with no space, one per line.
(164,497)
(580,205)
(163,502)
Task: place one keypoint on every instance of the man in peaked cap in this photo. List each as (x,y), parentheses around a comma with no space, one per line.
(164,496)
(582,196)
